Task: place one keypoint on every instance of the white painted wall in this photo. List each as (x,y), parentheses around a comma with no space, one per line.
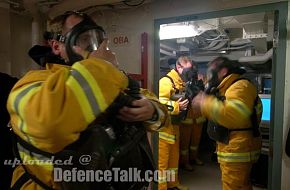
(16,39)
(131,23)
(5,38)
(20,44)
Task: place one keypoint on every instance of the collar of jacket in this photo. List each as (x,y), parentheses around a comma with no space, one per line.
(227,82)
(54,67)
(176,78)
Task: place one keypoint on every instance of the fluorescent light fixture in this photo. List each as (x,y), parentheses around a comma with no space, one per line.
(177,31)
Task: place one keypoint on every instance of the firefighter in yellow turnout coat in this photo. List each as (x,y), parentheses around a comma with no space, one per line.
(238,147)
(50,108)
(168,155)
(190,133)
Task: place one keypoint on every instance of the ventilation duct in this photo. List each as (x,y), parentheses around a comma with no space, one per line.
(68,5)
(257,59)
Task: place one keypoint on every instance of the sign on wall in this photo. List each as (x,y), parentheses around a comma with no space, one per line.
(120,40)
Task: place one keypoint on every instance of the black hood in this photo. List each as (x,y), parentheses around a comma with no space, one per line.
(43,54)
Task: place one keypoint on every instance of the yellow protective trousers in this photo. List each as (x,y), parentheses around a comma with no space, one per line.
(168,157)
(190,135)
(236,176)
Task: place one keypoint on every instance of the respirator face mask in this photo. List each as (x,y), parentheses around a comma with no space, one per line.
(189,74)
(212,79)
(87,35)
(88,40)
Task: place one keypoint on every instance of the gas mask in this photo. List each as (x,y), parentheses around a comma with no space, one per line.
(212,80)
(188,74)
(86,34)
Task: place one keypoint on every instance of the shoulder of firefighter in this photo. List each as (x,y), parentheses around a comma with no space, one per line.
(233,114)
(169,86)
(60,103)
(235,110)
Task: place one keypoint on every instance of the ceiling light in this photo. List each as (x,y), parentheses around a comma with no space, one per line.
(177,31)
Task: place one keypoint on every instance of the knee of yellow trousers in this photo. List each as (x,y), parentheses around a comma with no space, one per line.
(174,155)
(193,152)
(162,186)
(183,158)
(163,155)
(184,142)
(193,148)
(236,176)
(232,186)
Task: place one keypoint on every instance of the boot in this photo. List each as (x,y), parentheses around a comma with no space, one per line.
(197,162)
(178,187)
(187,167)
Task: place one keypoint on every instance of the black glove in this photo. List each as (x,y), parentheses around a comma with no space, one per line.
(133,89)
(193,88)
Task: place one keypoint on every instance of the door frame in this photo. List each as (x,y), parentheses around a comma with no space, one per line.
(278,76)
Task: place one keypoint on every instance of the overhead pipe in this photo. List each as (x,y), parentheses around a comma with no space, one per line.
(257,59)
(166,52)
(70,5)
(216,45)
(13,3)
(237,47)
